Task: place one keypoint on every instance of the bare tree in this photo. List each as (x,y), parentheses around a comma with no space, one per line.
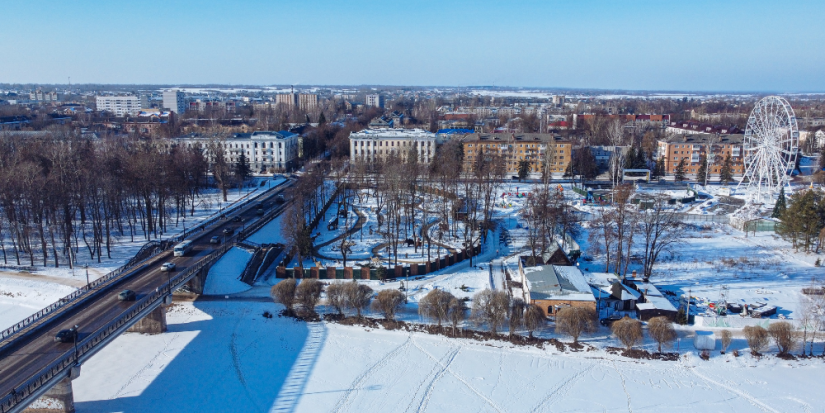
(574,321)
(284,293)
(783,336)
(358,296)
(661,231)
(308,293)
(456,313)
(725,337)
(516,315)
(490,307)
(757,338)
(435,305)
(628,331)
(661,330)
(534,319)
(387,302)
(336,296)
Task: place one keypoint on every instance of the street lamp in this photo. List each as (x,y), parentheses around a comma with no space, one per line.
(184,224)
(74,334)
(87,276)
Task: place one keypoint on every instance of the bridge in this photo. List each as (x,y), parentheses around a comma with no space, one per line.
(36,371)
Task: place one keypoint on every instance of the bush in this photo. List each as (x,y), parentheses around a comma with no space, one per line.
(357,296)
(284,293)
(661,330)
(534,319)
(725,337)
(387,302)
(308,293)
(516,315)
(574,321)
(336,298)
(491,307)
(783,336)
(435,305)
(628,331)
(456,312)
(757,338)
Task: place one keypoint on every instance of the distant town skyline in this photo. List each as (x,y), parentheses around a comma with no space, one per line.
(735,46)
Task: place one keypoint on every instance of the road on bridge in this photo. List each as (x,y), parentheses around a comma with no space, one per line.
(24,359)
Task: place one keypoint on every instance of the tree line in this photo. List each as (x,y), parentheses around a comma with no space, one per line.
(65,195)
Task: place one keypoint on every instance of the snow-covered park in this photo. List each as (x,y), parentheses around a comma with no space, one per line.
(222,354)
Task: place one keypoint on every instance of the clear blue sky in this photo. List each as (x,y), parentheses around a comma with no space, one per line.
(653,45)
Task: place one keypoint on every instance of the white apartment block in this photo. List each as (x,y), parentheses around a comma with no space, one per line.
(374,100)
(174,101)
(265,151)
(119,105)
(373,144)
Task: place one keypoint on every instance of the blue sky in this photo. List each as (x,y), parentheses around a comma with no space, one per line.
(663,45)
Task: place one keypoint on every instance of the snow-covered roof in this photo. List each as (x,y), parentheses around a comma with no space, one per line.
(548,282)
(653,296)
(389,133)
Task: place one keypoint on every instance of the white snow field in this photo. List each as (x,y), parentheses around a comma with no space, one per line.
(223,277)
(224,356)
(20,297)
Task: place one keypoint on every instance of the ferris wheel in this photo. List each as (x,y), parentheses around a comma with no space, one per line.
(770,146)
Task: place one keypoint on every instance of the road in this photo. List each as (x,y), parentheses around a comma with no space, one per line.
(24,359)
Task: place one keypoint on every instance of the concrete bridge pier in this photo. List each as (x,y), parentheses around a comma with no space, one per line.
(197,282)
(58,399)
(153,323)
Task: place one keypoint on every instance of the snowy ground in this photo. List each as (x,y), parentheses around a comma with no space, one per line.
(224,276)
(21,297)
(224,356)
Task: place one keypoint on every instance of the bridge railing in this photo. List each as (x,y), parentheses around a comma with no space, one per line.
(23,392)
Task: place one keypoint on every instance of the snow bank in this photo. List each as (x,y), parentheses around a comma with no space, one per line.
(224,276)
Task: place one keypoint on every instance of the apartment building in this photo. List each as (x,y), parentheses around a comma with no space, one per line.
(174,101)
(304,101)
(691,147)
(119,105)
(535,148)
(373,144)
(266,151)
(375,100)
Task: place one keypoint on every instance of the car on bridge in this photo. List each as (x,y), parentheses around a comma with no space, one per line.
(228,231)
(168,266)
(215,240)
(127,295)
(66,336)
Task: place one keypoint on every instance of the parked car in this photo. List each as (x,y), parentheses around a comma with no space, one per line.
(127,295)
(66,336)
(280,199)
(215,240)
(168,266)
(609,320)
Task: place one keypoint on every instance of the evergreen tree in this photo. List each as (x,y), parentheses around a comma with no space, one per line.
(679,174)
(640,162)
(242,169)
(322,119)
(780,206)
(701,174)
(630,158)
(523,169)
(725,175)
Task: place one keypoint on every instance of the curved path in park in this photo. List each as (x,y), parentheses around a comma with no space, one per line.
(425,233)
(355,228)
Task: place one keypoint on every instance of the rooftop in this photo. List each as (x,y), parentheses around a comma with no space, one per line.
(556,282)
(514,137)
(389,133)
(702,138)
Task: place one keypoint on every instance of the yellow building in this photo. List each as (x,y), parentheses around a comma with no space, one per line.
(535,148)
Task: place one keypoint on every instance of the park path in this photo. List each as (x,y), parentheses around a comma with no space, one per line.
(355,228)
